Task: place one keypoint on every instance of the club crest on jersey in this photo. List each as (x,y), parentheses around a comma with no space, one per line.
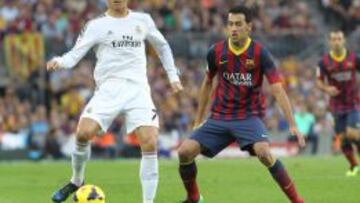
(249,64)
(350,65)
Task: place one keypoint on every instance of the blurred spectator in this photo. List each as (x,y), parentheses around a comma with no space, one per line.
(9,10)
(343,14)
(305,121)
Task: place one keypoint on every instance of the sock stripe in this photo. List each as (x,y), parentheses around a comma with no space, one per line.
(187,163)
(272,165)
(149,155)
(82,144)
(287,187)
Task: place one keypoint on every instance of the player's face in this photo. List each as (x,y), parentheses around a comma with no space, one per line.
(237,28)
(337,40)
(117,4)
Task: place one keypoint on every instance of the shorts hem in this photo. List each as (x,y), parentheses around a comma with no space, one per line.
(133,127)
(103,127)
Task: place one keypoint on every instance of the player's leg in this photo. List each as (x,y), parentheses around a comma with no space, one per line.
(98,114)
(353,125)
(187,152)
(277,170)
(346,143)
(209,139)
(141,117)
(350,155)
(86,130)
(252,135)
(353,134)
(149,169)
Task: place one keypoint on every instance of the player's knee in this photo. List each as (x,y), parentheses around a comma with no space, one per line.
(265,156)
(148,143)
(185,154)
(352,133)
(84,136)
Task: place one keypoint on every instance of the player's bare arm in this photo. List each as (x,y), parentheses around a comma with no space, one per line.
(204,98)
(284,103)
(331,90)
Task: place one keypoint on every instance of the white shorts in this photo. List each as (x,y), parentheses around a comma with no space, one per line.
(122,96)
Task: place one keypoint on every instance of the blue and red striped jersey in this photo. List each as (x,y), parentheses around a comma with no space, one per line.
(342,75)
(238,93)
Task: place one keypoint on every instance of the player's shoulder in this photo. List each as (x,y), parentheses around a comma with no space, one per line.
(257,43)
(217,45)
(352,52)
(323,57)
(97,20)
(260,46)
(139,15)
(260,49)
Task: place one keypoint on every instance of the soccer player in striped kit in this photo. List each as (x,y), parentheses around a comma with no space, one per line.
(336,73)
(239,64)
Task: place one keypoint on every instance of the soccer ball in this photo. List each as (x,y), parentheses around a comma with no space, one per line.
(89,194)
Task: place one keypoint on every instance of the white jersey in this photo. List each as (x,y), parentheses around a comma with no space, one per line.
(119,44)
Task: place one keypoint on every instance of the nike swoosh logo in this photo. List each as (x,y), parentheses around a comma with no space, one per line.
(223,62)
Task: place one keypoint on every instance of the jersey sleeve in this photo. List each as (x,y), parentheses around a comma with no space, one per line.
(86,39)
(158,41)
(320,73)
(211,65)
(269,68)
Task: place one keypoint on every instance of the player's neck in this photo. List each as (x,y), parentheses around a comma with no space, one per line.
(118,13)
(240,44)
(338,54)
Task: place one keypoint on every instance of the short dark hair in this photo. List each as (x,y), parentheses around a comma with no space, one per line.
(248,12)
(335,30)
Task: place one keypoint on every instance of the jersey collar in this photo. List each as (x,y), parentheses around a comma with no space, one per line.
(242,49)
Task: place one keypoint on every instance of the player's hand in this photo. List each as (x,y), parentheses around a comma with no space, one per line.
(52,65)
(333,91)
(176,87)
(300,138)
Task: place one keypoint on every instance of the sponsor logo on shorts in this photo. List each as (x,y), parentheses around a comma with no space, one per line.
(263,135)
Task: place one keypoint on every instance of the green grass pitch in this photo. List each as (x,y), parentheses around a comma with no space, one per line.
(319,180)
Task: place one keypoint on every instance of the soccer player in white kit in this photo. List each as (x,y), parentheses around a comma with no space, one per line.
(118,38)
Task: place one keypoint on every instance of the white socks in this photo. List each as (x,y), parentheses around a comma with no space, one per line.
(79,158)
(149,170)
(149,176)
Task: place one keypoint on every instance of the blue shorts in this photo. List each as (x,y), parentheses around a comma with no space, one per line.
(344,120)
(215,135)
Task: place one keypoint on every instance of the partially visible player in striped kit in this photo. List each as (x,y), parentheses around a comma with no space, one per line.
(239,64)
(336,73)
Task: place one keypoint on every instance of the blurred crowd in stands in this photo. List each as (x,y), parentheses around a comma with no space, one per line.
(344,14)
(40,112)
